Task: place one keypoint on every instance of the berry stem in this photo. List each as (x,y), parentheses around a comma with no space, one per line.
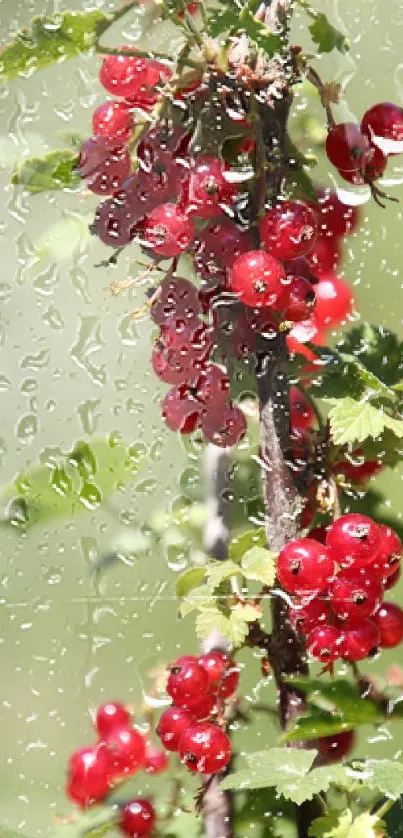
(317,82)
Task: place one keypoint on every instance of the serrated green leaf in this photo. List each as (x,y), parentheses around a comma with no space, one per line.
(280,767)
(344,375)
(234,627)
(65,485)
(219,572)
(378,349)
(239,545)
(53,171)
(353,421)
(51,39)
(212,620)
(259,564)
(326,36)
(197,599)
(384,775)
(222,20)
(189,580)
(343,825)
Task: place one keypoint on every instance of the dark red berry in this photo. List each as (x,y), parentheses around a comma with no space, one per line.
(334,301)
(208,188)
(289,229)
(187,682)
(217,247)
(389,621)
(156,761)
(137,818)
(171,725)
(205,748)
(354,594)
(113,119)
(354,540)
(257,279)
(114,223)
(335,218)
(302,414)
(88,775)
(224,427)
(213,387)
(146,96)
(177,298)
(168,231)
(204,708)
(305,615)
(298,300)
(325,643)
(304,566)
(384,120)
(369,171)
(104,163)
(347,147)
(127,749)
(325,256)
(360,640)
(110,716)
(181,411)
(333,748)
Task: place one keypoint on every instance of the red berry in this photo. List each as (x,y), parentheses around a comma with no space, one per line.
(229,683)
(334,301)
(146,96)
(305,615)
(384,120)
(347,147)
(213,387)
(334,217)
(325,256)
(369,171)
(224,427)
(123,75)
(355,468)
(304,566)
(104,163)
(208,188)
(354,540)
(257,279)
(393,579)
(354,595)
(168,231)
(187,682)
(215,663)
(127,750)
(319,534)
(177,298)
(335,747)
(181,411)
(176,373)
(389,621)
(324,643)
(203,709)
(88,775)
(217,247)
(360,640)
(113,119)
(171,725)
(156,760)
(390,554)
(306,330)
(137,818)
(109,716)
(289,230)
(205,748)
(302,414)
(299,300)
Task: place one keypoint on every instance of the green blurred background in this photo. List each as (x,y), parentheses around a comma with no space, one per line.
(74,365)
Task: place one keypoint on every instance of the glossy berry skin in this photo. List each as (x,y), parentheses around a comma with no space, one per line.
(204,708)
(137,818)
(146,96)
(109,716)
(384,120)
(371,170)
(215,663)
(355,468)
(325,256)
(88,776)
(333,748)
(187,682)
(307,615)
(354,540)
(334,301)
(114,224)
(127,750)
(217,247)
(257,279)
(324,643)
(123,75)
(181,411)
(289,230)
(205,748)
(229,683)
(354,594)
(168,231)
(304,566)
(113,119)
(156,761)
(390,554)
(347,147)
(213,387)
(172,725)
(104,163)
(389,621)
(360,640)
(393,579)
(298,300)
(302,414)
(207,189)
(224,427)
(334,217)
(177,298)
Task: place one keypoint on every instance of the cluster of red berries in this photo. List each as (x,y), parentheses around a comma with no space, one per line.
(120,752)
(199,687)
(342,610)
(360,151)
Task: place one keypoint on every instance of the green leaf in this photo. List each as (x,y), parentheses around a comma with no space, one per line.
(353,421)
(345,375)
(234,627)
(50,40)
(378,349)
(326,36)
(189,580)
(316,723)
(384,775)
(219,572)
(259,564)
(65,485)
(53,171)
(239,545)
(95,822)
(222,20)
(344,825)
(259,34)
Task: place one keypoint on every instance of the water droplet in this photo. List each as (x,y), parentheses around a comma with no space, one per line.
(27,427)
(89,341)
(88,417)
